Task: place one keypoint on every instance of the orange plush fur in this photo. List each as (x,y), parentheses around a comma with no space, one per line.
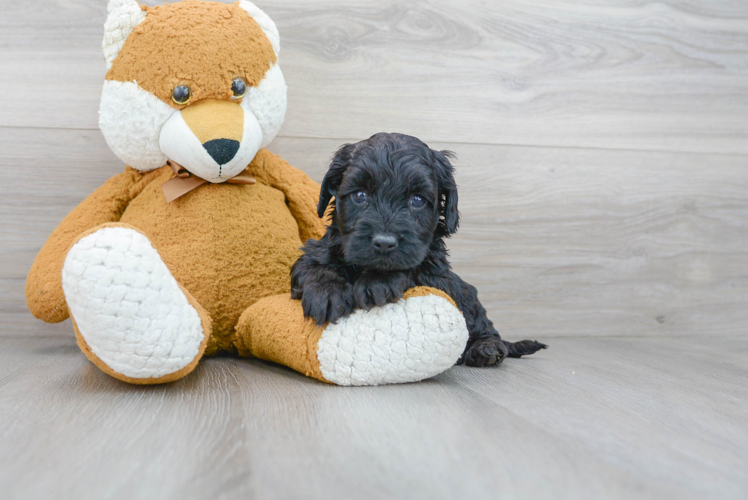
(226,41)
(229,247)
(264,333)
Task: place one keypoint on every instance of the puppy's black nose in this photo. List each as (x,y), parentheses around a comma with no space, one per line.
(384,242)
(222,150)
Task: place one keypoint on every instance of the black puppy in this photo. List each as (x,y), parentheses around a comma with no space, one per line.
(395,202)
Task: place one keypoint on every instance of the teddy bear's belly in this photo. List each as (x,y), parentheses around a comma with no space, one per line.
(228,245)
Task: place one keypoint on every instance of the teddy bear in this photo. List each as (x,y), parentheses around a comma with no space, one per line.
(187,252)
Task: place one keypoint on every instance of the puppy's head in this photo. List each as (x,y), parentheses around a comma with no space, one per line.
(393,197)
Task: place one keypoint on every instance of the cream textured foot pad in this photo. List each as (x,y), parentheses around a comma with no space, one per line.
(408,341)
(128,307)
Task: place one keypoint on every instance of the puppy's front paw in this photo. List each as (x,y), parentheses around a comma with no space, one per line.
(378,289)
(328,302)
(488,351)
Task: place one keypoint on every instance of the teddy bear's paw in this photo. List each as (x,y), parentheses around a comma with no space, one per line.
(410,340)
(133,319)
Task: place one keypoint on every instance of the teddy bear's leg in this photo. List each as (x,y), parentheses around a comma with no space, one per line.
(131,317)
(413,339)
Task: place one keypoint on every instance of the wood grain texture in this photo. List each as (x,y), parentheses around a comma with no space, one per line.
(559,242)
(589,418)
(667,75)
(604,190)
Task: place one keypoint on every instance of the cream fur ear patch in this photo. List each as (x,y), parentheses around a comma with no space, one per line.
(267,24)
(410,340)
(123,16)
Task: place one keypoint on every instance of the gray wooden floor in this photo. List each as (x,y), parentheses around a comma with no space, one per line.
(591,418)
(603,172)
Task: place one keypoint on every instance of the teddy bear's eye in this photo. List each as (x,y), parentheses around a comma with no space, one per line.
(239,88)
(181,94)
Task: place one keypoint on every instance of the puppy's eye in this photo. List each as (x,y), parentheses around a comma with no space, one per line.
(359,197)
(239,88)
(181,94)
(417,201)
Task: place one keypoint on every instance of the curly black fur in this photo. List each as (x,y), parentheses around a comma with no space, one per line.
(391,238)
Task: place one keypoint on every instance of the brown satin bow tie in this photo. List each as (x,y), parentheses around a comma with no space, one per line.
(184,182)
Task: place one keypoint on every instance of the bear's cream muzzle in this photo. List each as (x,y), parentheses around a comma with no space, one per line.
(212,139)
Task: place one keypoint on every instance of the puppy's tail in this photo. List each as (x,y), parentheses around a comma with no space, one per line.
(523,348)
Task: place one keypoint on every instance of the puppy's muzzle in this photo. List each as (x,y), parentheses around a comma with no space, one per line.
(384,243)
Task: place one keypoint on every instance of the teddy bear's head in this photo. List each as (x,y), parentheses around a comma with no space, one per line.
(195,82)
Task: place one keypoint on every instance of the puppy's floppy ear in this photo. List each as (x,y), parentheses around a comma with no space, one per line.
(447,191)
(334,176)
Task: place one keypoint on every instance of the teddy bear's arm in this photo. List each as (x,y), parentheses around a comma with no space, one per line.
(302,193)
(44,295)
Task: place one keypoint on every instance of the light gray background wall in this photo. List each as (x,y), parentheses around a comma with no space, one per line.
(603,146)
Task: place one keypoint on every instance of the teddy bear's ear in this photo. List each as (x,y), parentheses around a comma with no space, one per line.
(267,24)
(123,16)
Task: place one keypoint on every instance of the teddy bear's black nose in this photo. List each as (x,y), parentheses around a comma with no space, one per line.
(222,150)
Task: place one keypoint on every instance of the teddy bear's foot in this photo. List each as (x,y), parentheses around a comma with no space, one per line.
(132,319)
(416,338)
(413,339)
